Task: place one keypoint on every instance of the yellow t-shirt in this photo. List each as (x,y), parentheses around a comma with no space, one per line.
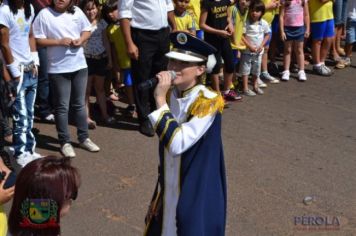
(269,14)
(239,21)
(194,10)
(185,22)
(3,222)
(116,37)
(320,12)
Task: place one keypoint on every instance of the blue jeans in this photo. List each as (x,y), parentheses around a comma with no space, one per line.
(339,9)
(22,116)
(69,89)
(42,99)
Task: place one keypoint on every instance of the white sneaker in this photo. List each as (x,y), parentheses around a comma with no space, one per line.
(302,76)
(266,76)
(261,84)
(24,159)
(285,75)
(67,150)
(50,118)
(89,146)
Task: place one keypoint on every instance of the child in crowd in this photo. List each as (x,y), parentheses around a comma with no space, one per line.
(47,185)
(256,33)
(239,13)
(63,28)
(322,33)
(194,9)
(294,26)
(215,20)
(5,196)
(271,9)
(20,55)
(339,10)
(350,31)
(121,61)
(97,53)
(184,20)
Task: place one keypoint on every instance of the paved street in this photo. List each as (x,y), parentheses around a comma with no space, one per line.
(297,140)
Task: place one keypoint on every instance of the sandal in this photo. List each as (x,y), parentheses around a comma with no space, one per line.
(91,124)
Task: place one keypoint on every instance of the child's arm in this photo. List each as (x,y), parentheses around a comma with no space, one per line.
(251,47)
(208,29)
(306,21)
(272,5)
(281,22)
(172,20)
(264,42)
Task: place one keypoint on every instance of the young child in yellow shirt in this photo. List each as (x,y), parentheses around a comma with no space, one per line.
(194,9)
(184,20)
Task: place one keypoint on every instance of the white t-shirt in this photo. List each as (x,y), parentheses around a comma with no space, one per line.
(255,32)
(55,25)
(19,30)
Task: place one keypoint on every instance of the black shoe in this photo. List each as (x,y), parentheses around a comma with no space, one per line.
(147,129)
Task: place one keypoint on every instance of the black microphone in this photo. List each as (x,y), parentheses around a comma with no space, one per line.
(151,83)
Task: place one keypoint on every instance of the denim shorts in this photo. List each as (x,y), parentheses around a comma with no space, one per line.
(294,33)
(350,31)
(321,30)
(339,9)
(250,63)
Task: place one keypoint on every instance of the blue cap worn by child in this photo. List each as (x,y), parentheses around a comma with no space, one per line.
(189,48)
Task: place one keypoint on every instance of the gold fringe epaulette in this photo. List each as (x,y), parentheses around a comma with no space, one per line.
(203,106)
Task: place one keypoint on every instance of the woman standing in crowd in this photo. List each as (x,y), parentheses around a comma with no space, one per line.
(63,28)
(190,198)
(21,58)
(35,193)
(98,56)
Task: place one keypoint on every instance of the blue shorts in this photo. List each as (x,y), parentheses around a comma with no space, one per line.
(269,40)
(236,59)
(294,33)
(350,31)
(127,77)
(322,30)
(275,25)
(200,34)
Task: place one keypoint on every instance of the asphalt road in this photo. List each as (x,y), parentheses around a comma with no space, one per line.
(297,140)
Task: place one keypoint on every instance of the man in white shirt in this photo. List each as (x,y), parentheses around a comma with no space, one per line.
(145,25)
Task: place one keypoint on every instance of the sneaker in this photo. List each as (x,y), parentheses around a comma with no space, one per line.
(249,93)
(261,84)
(110,120)
(267,77)
(231,95)
(285,75)
(130,110)
(23,159)
(347,61)
(259,91)
(302,76)
(89,146)
(67,150)
(322,70)
(49,119)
